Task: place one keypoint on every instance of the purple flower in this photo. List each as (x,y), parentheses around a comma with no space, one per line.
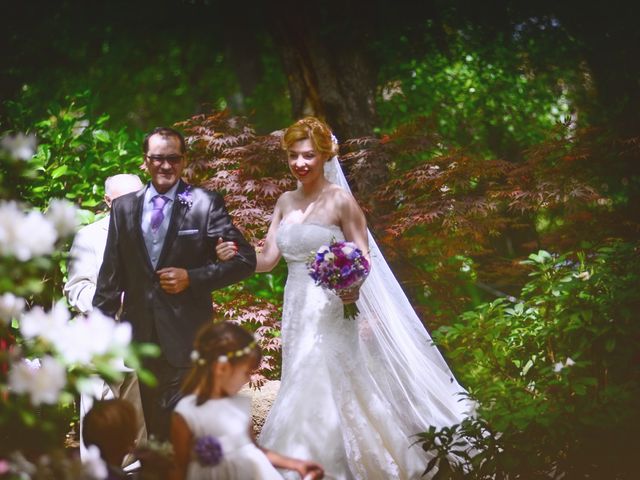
(208,451)
(337,266)
(185,197)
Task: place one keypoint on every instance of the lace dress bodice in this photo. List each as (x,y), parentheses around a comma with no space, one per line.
(297,241)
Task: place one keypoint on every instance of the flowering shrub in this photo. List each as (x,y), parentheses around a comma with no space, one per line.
(46,357)
(555,373)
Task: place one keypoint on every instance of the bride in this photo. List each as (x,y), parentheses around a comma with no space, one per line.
(353,392)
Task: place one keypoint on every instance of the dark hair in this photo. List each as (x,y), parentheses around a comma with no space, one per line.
(164,132)
(112,426)
(212,341)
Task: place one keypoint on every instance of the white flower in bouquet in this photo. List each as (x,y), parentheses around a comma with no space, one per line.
(25,235)
(347,250)
(64,216)
(43,384)
(10,307)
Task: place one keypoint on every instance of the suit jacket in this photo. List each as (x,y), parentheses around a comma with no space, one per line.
(190,244)
(86,256)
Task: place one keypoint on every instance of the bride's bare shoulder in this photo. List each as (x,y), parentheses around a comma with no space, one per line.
(340,195)
(285,199)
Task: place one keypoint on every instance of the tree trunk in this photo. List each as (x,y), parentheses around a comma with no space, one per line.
(329,71)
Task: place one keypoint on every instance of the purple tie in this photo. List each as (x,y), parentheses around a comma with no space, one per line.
(157,216)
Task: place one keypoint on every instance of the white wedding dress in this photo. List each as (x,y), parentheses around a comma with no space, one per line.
(353,392)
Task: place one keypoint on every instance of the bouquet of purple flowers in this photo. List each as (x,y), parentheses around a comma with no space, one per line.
(338,266)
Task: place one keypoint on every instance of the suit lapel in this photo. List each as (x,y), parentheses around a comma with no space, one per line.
(177,216)
(137,205)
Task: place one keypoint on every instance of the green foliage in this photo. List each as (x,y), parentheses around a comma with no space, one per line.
(486,95)
(555,373)
(455,223)
(76,154)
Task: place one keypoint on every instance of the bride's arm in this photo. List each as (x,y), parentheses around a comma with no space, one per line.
(269,256)
(353,222)
(354,227)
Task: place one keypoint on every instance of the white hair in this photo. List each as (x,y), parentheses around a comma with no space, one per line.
(121,183)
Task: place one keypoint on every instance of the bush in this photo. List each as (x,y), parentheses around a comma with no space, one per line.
(75,156)
(555,373)
(46,358)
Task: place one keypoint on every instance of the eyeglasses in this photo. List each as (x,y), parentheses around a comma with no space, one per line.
(160,159)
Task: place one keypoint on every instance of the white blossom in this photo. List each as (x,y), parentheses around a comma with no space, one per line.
(10,307)
(584,276)
(64,216)
(42,384)
(92,336)
(79,127)
(94,468)
(25,235)
(346,249)
(558,366)
(91,386)
(50,325)
(20,146)
(79,340)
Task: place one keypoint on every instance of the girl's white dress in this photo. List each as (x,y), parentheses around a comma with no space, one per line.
(228,420)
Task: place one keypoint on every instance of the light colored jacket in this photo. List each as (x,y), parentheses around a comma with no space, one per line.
(85,259)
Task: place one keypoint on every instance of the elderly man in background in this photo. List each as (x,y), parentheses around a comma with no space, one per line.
(85,260)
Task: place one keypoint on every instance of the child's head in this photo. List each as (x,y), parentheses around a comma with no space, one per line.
(224,356)
(111,425)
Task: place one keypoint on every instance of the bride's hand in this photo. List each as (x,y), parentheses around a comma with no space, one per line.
(310,470)
(226,250)
(349,295)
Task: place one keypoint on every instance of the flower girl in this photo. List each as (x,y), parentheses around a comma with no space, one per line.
(211,425)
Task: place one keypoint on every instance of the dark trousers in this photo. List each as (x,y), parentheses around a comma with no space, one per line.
(159,401)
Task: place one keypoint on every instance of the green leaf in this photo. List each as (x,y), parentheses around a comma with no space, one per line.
(60,171)
(101,136)
(610,345)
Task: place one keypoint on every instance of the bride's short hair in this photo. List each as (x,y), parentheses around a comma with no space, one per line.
(315,130)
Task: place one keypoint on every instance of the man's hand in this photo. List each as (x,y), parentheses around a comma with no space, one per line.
(173,280)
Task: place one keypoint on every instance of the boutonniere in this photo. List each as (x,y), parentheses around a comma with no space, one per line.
(185,197)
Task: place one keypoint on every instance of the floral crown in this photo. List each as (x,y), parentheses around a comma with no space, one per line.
(224,358)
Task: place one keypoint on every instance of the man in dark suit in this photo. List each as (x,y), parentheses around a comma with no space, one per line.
(161,253)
